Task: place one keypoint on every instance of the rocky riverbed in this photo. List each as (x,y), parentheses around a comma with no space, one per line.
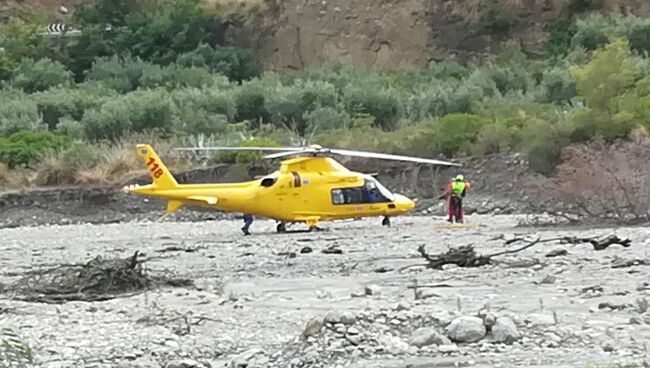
(350,296)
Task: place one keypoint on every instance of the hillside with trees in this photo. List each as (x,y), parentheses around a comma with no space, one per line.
(161,71)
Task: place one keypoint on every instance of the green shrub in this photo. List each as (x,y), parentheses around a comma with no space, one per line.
(200,121)
(27,148)
(559,39)
(611,73)
(41,75)
(494,138)
(250,100)
(139,111)
(56,103)
(508,78)
(640,39)
(437,100)
(289,104)
(326,118)
(149,110)
(443,70)
(119,73)
(590,36)
(557,86)
(18,112)
(236,64)
(71,128)
(174,76)
(159,31)
(245,157)
(215,105)
(588,124)
(19,40)
(543,142)
(383,104)
(80,155)
(456,131)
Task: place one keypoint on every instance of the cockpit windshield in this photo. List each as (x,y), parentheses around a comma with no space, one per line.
(373,185)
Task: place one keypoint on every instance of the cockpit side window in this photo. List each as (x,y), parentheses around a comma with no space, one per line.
(370,192)
(337,196)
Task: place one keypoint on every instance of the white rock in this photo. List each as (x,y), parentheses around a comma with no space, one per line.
(402,306)
(450,348)
(505,330)
(243,360)
(428,336)
(466,329)
(539,319)
(333,317)
(184,363)
(348,318)
(372,290)
(426,294)
(353,331)
(313,327)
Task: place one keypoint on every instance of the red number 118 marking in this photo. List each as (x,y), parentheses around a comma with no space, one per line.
(154,168)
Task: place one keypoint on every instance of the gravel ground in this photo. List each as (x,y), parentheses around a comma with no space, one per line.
(278,300)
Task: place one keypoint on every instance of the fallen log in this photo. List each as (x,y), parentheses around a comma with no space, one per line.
(598,244)
(466,256)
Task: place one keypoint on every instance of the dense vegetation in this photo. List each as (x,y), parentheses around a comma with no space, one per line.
(138,68)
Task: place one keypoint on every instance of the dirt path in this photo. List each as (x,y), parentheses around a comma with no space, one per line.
(260,292)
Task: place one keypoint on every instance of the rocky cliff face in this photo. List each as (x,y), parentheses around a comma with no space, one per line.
(399,34)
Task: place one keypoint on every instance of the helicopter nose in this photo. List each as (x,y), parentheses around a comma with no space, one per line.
(403,203)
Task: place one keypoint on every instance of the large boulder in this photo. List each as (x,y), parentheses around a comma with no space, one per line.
(505,330)
(426,336)
(313,327)
(466,329)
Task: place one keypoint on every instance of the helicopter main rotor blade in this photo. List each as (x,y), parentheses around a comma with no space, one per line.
(285,154)
(290,153)
(280,149)
(386,156)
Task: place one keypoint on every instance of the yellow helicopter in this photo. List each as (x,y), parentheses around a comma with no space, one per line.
(309,188)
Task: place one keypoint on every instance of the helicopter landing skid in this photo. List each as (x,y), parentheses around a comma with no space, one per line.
(281,228)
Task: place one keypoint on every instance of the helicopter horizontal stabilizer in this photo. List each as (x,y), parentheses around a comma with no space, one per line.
(206,199)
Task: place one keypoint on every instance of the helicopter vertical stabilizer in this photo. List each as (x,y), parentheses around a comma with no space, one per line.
(161,176)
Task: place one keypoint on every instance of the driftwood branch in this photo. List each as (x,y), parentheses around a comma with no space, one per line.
(598,244)
(97,280)
(466,256)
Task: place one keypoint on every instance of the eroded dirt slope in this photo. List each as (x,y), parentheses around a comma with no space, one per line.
(294,34)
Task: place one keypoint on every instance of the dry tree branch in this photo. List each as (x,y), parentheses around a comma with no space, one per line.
(466,256)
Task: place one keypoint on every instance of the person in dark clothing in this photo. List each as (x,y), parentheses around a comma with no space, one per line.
(248,220)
